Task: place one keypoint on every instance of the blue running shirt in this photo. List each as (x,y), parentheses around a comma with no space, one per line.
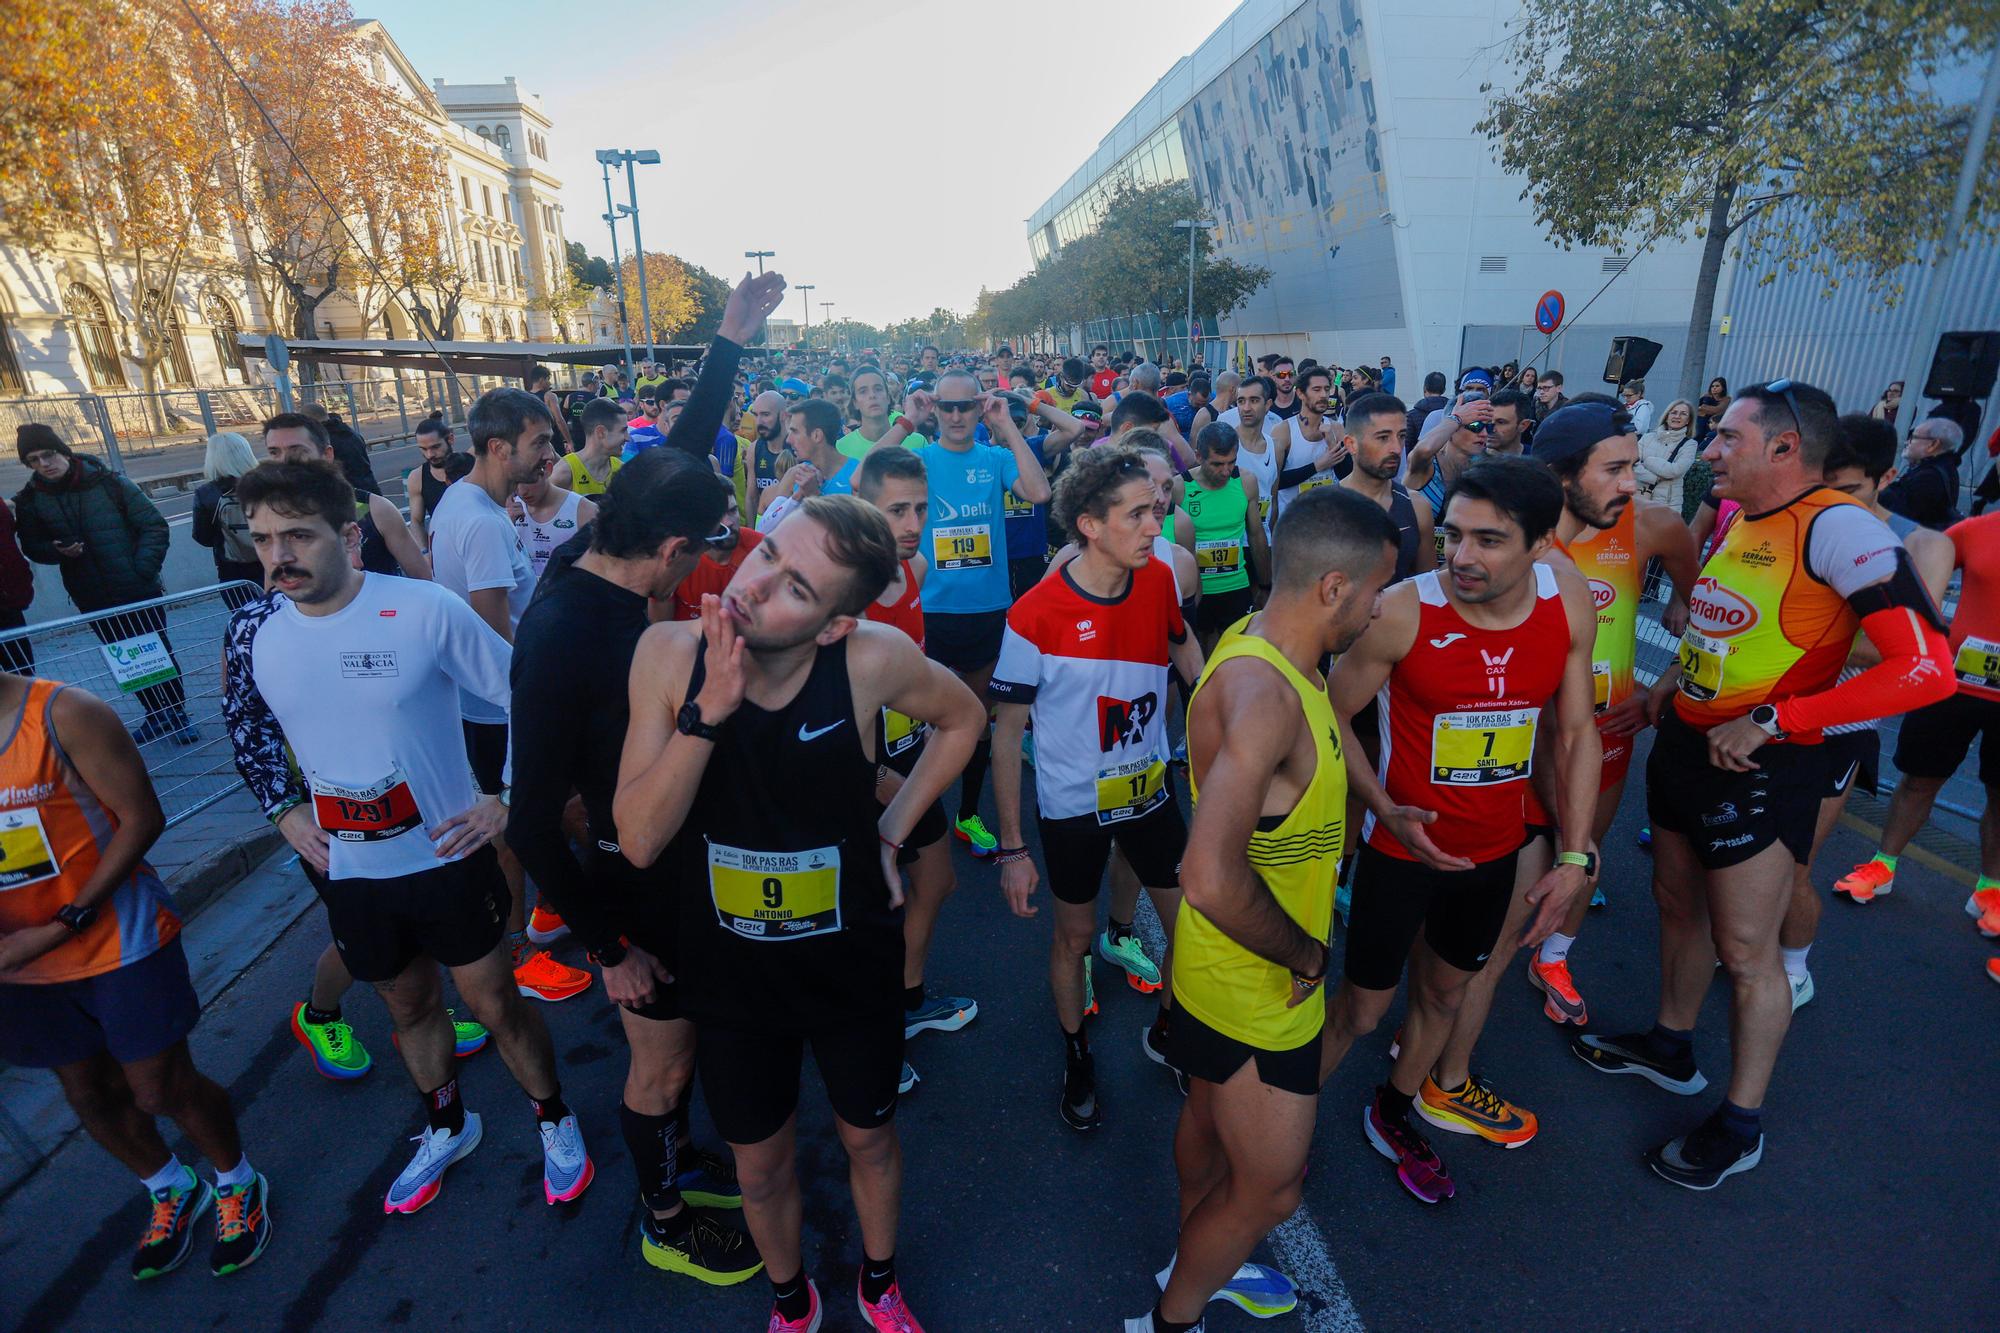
(965,536)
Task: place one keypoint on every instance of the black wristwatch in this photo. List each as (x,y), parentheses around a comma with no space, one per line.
(76,919)
(611,955)
(1325,961)
(689,723)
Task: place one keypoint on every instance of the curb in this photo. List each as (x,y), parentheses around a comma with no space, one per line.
(222,868)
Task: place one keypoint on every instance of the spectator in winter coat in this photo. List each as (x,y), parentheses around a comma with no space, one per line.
(1927,492)
(1666,452)
(17,593)
(219,522)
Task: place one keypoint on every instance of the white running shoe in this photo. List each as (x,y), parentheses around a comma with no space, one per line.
(436,1150)
(566,1168)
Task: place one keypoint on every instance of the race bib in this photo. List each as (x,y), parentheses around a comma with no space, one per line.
(1264,508)
(1224,555)
(1130,790)
(1474,749)
(1701,665)
(374,813)
(966,547)
(1600,686)
(25,855)
(901,733)
(775,895)
(1014,506)
(1978,662)
(1317,480)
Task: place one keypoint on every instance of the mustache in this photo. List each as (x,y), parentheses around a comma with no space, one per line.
(289,572)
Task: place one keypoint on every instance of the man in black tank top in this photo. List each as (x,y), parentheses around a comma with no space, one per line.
(1375,443)
(790,922)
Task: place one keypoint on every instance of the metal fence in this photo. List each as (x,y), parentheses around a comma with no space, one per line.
(159,664)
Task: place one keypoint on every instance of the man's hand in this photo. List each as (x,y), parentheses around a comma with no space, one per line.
(1550,896)
(1330,457)
(1017,881)
(470,829)
(918,405)
(892,874)
(800,481)
(1407,823)
(1627,717)
(1477,410)
(1731,744)
(722,691)
(755,297)
(22,947)
(1674,618)
(993,407)
(1656,698)
(305,835)
(633,983)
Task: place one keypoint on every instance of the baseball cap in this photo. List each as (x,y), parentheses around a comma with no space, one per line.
(1574,429)
(797,386)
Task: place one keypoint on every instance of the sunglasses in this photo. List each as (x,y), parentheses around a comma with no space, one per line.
(721,537)
(1783,388)
(1284,374)
(958,405)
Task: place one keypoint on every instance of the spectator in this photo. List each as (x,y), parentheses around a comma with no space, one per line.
(1710,409)
(349,449)
(1388,378)
(17,593)
(110,542)
(1632,393)
(1665,454)
(1421,410)
(1549,396)
(219,521)
(1891,399)
(1927,492)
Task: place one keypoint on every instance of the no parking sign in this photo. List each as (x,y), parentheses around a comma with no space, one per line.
(1549,312)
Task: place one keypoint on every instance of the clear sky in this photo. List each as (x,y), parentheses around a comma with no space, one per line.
(808,127)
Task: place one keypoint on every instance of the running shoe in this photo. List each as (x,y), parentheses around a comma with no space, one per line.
(1259,1290)
(888,1315)
(708,1179)
(972,829)
(1417,1167)
(907,1080)
(1802,990)
(335,1052)
(1989,925)
(1982,901)
(707,1251)
(1632,1053)
(541,977)
(1079,1092)
(1089,990)
(940,1013)
(566,1168)
(436,1150)
(809,1324)
(1142,974)
(169,1231)
(1563,1004)
(1597,899)
(1866,882)
(544,926)
(468,1037)
(1476,1109)
(242,1225)
(1705,1156)
(1154,1042)
(1993,968)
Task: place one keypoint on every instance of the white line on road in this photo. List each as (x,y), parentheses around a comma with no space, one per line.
(1298,1243)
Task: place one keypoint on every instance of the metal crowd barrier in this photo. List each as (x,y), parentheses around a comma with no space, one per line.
(159,664)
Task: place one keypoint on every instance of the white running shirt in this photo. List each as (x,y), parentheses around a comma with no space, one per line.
(541,539)
(474,546)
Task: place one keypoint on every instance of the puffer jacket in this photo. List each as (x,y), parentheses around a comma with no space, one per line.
(1664,458)
(124,537)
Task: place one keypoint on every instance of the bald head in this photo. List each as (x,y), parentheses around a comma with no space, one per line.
(768,408)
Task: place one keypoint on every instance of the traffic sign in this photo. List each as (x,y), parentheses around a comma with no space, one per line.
(1549,312)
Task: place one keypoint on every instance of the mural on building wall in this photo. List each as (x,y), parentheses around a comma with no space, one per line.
(1284,152)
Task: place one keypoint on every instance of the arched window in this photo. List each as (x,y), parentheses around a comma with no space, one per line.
(164,314)
(504,139)
(90,325)
(486,325)
(11,380)
(223,328)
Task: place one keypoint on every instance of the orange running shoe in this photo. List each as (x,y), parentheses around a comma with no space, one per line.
(1989,925)
(541,977)
(1866,881)
(544,926)
(1563,1004)
(1982,901)
(1993,968)
(1476,1109)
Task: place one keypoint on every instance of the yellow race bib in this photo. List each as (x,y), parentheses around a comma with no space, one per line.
(1474,749)
(901,733)
(1014,506)
(1978,662)
(1130,790)
(966,547)
(1600,686)
(25,855)
(1701,659)
(1224,555)
(775,895)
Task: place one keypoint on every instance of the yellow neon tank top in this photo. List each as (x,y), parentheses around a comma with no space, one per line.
(1608,559)
(1217,980)
(580,479)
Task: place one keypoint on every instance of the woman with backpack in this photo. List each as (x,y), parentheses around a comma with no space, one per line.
(219,521)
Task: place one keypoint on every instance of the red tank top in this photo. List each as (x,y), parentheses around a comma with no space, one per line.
(1460,716)
(907,614)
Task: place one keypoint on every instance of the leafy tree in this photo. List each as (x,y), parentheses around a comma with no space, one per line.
(670,294)
(1810,130)
(1136,261)
(588,269)
(711,294)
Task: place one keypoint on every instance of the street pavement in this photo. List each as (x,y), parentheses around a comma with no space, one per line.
(1867,1213)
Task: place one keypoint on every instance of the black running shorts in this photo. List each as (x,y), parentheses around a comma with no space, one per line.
(1074,851)
(1730,817)
(453,915)
(1935,739)
(486,747)
(751,1078)
(1201,1052)
(652,922)
(1219,610)
(1459,912)
(964,642)
(1852,761)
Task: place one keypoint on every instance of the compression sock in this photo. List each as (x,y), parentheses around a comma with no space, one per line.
(552,1108)
(649,1140)
(973,784)
(240,1174)
(1076,1043)
(1120,930)
(683,1120)
(1162,1324)
(517,946)
(1887,860)
(877,1276)
(1670,1043)
(444,1109)
(320,1017)
(1555,949)
(173,1175)
(1395,1105)
(1742,1124)
(913,998)
(791,1299)
(1795,961)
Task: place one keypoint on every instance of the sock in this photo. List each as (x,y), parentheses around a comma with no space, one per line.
(320,1017)
(173,1175)
(240,1174)
(517,945)
(551,1108)
(1795,961)
(1162,1324)
(877,1276)
(1395,1106)
(1670,1043)
(1076,1044)
(791,1299)
(1887,860)
(913,998)
(974,781)
(444,1109)
(1985,881)
(649,1140)
(1745,1125)
(1555,949)
(1120,930)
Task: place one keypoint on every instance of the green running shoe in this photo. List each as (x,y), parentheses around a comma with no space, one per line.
(1141,972)
(468,1038)
(1089,991)
(335,1052)
(972,829)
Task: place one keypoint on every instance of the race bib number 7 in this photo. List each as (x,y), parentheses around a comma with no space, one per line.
(1978,663)
(966,547)
(775,895)
(1474,749)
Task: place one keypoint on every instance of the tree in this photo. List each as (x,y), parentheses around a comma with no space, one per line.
(587,268)
(670,293)
(1806,129)
(711,294)
(569,299)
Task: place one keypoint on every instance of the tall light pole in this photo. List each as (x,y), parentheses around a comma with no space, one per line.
(806,301)
(1192,225)
(827,321)
(760,256)
(647,157)
(611,220)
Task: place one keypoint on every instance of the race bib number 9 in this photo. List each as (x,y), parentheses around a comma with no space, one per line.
(1600,686)
(25,856)
(775,895)
(1978,663)
(1224,555)
(1131,790)
(967,547)
(374,813)
(1474,749)
(1701,660)
(901,733)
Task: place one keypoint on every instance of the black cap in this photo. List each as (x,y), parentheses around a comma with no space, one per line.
(1578,427)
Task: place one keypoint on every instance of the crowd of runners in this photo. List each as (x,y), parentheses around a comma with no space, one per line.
(696,679)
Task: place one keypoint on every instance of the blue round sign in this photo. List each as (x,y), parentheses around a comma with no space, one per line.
(1549,312)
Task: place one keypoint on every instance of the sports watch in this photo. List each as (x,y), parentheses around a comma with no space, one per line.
(689,723)
(76,919)
(1766,716)
(1588,860)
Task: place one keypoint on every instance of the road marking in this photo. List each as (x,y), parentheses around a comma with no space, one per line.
(1297,1242)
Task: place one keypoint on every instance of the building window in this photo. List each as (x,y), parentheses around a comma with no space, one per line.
(516,257)
(465,188)
(222,327)
(486,193)
(91,327)
(478,262)
(162,311)
(486,326)
(485,134)
(11,380)
(504,139)
(499,269)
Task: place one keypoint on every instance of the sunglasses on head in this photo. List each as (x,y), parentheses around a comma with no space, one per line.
(1783,388)
(958,405)
(721,537)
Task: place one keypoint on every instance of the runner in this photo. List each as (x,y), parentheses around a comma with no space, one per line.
(93,979)
(1263,443)
(537,383)
(762,459)
(1375,443)
(590,468)
(811,429)
(1734,779)
(795,939)
(407,886)
(1229,544)
(872,408)
(546,517)
(1087,652)
(387,545)
(1256,923)
(1508,640)
(424,486)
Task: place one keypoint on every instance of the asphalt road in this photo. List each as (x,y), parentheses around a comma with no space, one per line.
(1870,1210)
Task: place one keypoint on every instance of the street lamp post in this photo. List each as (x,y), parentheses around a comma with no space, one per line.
(760,256)
(806,301)
(611,220)
(647,157)
(1192,225)
(826,321)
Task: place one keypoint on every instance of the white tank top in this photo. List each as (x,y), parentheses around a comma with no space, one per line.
(1163,551)
(541,539)
(1264,467)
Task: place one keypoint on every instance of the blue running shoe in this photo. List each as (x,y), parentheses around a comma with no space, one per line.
(707,1180)
(1259,1290)
(436,1150)
(940,1013)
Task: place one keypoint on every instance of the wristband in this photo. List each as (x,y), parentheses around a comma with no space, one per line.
(887,841)
(285,809)
(1006,855)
